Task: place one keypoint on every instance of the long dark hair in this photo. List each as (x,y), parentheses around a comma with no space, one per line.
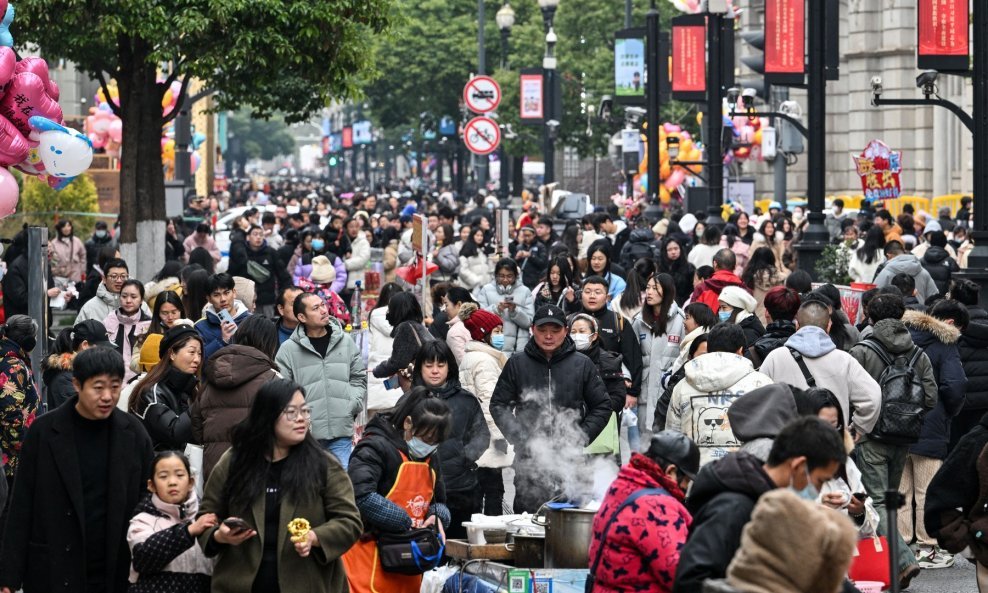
(259,333)
(196,294)
(387,291)
(202,257)
(638,277)
(170,297)
(569,238)
(761,259)
(404,307)
(436,351)
(158,372)
(731,234)
(602,246)
(303,472)
(672,266)
(565,273)
(171,269)
(658,322)
(470,247)
(431,417)
(874,246)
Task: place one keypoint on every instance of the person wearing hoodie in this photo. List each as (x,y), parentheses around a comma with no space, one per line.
(737,306)
(230,382)
(932,227)
(882,460)
(781,305)
(938,263)
(107,298)
(708,291)
(826,367)
(900,262)
(215,331)
(549,378)
(513,301)
(468,436)
(324,360)
(973,349)
(758,416)
(937,334)
(479,370)
(806,454)
(635,543)
(699,403)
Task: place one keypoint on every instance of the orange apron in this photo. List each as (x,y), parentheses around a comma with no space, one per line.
(412,492)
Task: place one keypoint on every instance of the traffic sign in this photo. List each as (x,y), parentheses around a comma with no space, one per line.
(482,135)
(482,94)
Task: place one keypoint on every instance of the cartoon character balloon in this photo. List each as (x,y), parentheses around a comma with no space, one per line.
(65,152)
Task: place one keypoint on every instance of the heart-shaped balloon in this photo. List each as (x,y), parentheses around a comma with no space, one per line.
(39,67)
(8,62)
(14,147)
(26,97)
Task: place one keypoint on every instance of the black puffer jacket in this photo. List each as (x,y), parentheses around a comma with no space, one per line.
(278,277)
(532,389)
(609,366)
(940,266)
(775,336)
(164,410)
(973,348)
(753,329)
(57,375)
(468,438)
(723,496)
(641,243)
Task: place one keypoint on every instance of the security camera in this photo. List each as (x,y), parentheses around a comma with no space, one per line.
(606,105)
(876,85)
(633,115)
(791,108)
(732,95)
(748,98)
(927,81)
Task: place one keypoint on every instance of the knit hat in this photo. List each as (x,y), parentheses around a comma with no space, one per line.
(738,298)
(661,228)
(480,323)
(174,335)
(932,226)
(149,355)
(323,271)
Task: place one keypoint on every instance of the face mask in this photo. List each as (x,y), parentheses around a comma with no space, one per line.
(318,244)
(835,210)
(29,343)
(419,449)
(809,493)
(497,340)
(100,234)
(724,315)
(582,341)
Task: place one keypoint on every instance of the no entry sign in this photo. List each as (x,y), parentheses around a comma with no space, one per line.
(482,135)
(482,94)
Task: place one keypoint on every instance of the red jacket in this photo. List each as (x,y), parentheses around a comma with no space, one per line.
(642,549)
(707,291)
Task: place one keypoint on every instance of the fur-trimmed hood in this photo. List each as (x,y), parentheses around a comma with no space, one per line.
(60,362)
(941,330)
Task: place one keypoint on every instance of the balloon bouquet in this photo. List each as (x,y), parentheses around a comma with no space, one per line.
(671,176)
(169,102)
(32,137)
(747,132)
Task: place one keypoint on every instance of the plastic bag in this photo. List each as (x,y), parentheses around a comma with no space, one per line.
(629,418)
(434,580)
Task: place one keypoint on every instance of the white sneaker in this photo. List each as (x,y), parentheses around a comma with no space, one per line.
(934,558)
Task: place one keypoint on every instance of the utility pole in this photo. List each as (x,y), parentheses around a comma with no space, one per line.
(713,121)
(480,162)
(816,237)
(652,100)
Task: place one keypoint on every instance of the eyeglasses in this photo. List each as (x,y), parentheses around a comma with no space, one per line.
(118,277)
(292,413)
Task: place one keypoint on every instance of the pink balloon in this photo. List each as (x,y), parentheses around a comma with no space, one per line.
(26,96)
(8,62)
(675,179)
(98,140)
(39,67)
(8,193)
(14,147)
(116,130)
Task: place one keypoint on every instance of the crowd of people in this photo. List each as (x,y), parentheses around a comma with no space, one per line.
(190,419)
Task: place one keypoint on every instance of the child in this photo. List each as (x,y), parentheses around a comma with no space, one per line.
(162,535)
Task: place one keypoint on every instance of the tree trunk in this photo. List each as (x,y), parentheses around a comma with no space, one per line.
(142,185)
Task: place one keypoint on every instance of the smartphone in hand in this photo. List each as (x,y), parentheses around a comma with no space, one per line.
(236,524)
(224,315)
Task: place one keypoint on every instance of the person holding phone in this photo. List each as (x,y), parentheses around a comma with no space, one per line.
(512,301)
(221,316)
(274,473)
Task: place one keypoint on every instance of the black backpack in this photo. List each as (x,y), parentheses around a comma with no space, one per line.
(900,419)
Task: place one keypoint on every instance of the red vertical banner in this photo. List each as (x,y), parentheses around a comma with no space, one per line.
(785,41)
(943,35)
(689,58)
(348,137)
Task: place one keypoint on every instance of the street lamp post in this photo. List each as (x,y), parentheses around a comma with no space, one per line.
(549,74)
(505,19)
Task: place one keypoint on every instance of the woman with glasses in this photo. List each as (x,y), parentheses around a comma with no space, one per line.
(398,485)
(274,474)
(232,379)
(512,301)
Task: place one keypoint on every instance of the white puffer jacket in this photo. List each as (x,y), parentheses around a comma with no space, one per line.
(700,401)
(479,371)
(659,354)
(380,397)
(517,321)
(475,271)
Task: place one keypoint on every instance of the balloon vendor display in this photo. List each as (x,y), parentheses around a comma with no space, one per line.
(169,102)
(33,138)
(671,176)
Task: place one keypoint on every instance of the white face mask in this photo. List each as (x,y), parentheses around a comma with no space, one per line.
(582,341)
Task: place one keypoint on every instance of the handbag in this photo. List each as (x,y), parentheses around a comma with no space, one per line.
(871,561)
(257,272)
(414,552)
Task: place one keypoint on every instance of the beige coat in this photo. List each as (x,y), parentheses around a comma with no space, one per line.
(479,371)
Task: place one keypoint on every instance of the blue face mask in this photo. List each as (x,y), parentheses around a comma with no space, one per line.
(724,315)
(318,244)
(809,492)
(419,449)
(497,340)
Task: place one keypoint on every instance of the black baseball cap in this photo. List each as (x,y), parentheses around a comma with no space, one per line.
(676,448)
(92,331)
(550,314)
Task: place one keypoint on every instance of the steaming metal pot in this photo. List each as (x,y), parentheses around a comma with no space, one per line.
(567,536)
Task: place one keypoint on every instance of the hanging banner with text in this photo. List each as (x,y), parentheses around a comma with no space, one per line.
(785,25)
(943,35)
(879,168)
(532,96)
(689,57)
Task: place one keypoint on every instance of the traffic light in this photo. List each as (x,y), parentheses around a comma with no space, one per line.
(332,161)
(756,63)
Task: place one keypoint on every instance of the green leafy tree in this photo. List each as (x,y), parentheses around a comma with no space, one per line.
(833,263)
(259,138)
(288,56)
(39,204)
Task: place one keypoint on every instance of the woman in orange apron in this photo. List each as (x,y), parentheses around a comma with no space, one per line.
(397,485)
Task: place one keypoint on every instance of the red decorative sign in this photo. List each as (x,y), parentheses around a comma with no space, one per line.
(689,58)
(879,167)
(348,137)
(785,38)
(943,35)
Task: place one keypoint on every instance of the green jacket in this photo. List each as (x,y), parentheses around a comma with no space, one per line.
(334,519)
(335,386)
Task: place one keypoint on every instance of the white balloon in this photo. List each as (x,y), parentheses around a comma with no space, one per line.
(65,154)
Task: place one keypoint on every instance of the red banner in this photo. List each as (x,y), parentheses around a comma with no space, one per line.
(348,137)
(943,35)
(879,168)
(785,38)
(689,60)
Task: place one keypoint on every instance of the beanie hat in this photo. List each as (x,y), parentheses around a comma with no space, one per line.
(738,297)
(480,323)
(149,355)
(661,228)
(932,226)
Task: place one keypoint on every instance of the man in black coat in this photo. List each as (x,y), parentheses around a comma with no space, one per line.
(973,349)
(82,470)
(268,271)
(548,397)
(616,332)
(805,454)
(531,255)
